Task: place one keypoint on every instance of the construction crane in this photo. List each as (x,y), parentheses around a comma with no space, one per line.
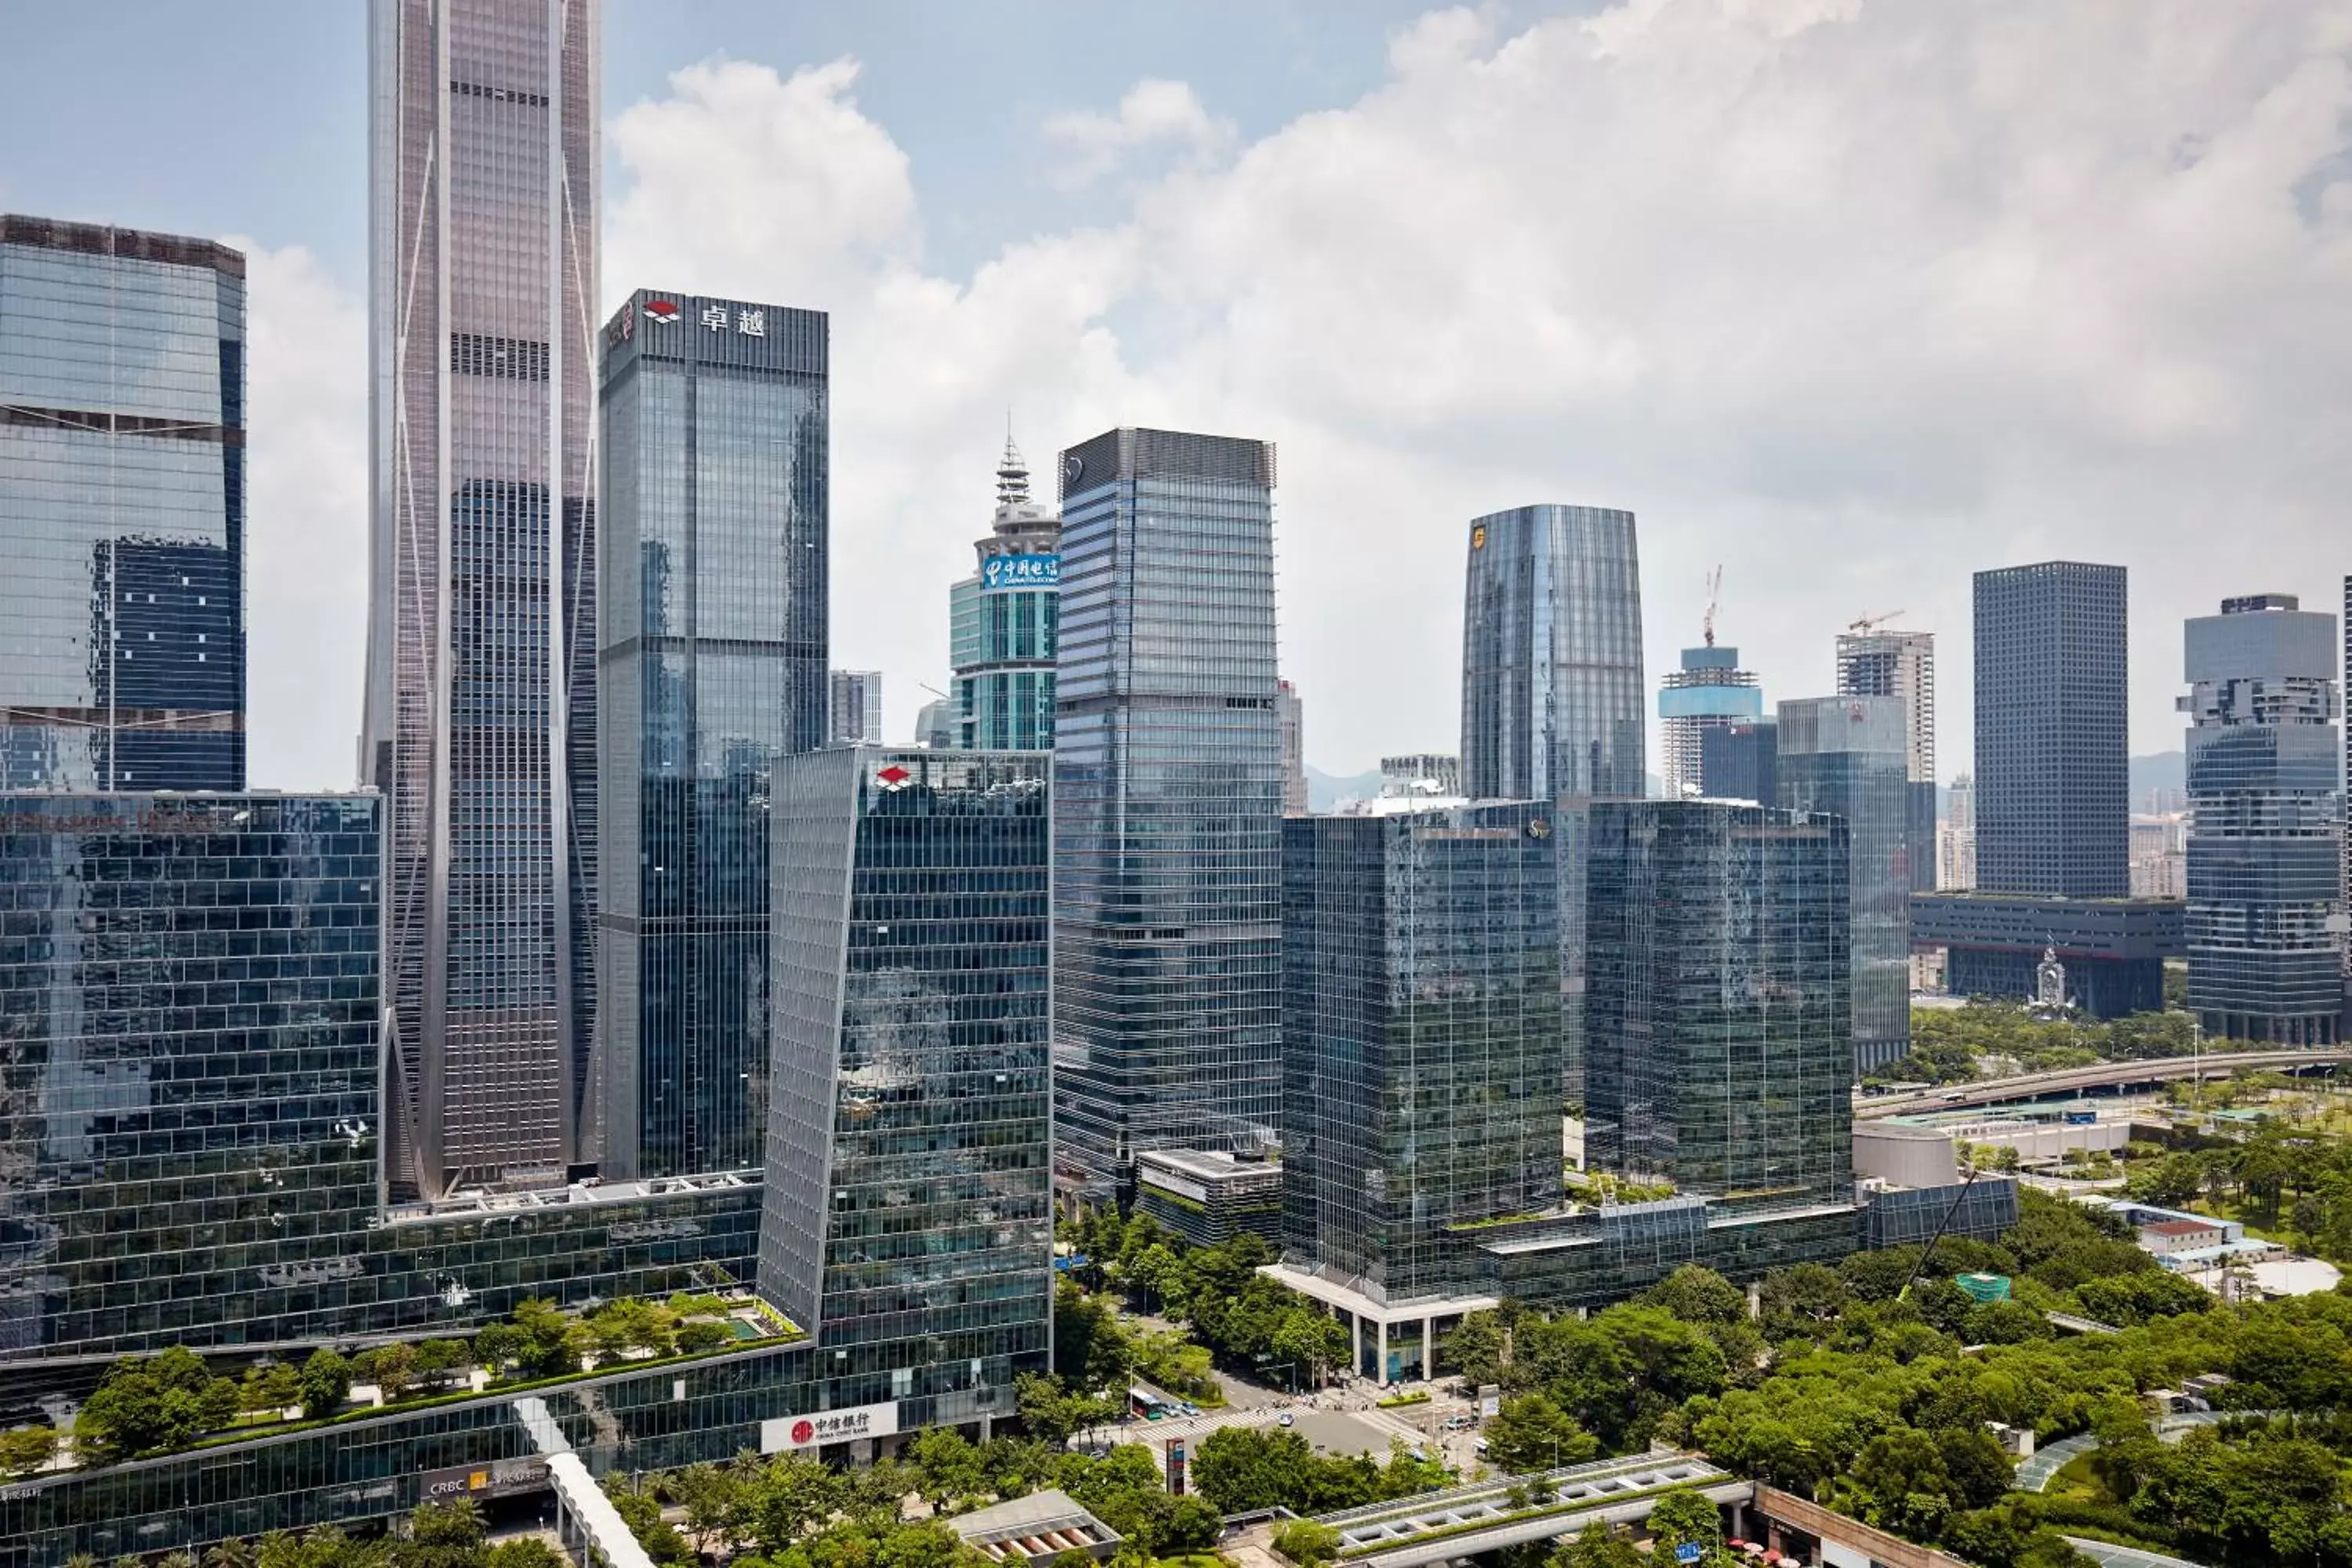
(1714,597)
(1868,624)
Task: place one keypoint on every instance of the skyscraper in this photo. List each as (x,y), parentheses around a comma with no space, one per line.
(1873,663)
(2265,836)
(1717,1031)
(908,1203)
(1551,656)
(711,665)
(1956,840)
(1710,692)
(2054,800)
(1420,1040)
(1844,756)
(854,708)
(482,699)
(1421,772)
(121,509)
(1294,749)
(1001,621)
(1740,762)
(1168,800)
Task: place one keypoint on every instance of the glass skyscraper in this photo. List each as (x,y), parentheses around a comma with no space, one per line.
(1718,1026)
(1420,1040)
(1001,622)
(711,664)
(1710,692)
(1551,656)
(1844,756)
(2265,826)
(480,723)
(1168,800)
(188,1066)
(908,1214)
(2053,793)
(1902,664)
(855,708)
(121,509)
(1740,762)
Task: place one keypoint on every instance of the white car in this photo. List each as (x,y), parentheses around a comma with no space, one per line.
(1288,1419)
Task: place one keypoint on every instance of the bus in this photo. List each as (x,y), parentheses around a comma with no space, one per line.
(1145,1405)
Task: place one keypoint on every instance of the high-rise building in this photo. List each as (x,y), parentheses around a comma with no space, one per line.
(1710,691)
(1551,656)
(854,708)
(1873,663)
(1168,802)
(2054,791)
(712,529)
(1294,749)
(1001,622)
(1718,1030)
(1740,762)
(480,723)
(1423,773)
(2265,831)
(936,724)
(1844,756)
(909,1204)
(189,1080)
(1420,1040)
(121,509)
(2159,854)
(1956,838)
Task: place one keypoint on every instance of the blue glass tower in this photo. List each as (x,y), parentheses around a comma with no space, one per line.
(1845,756)
(712,665)
(121,509)
(1168,800)
(1002,620)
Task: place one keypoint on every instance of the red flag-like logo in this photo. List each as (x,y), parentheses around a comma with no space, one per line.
(893,777)
(663,311)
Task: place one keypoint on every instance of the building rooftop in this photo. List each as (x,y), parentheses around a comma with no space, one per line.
(1043,1524)
(1209,1164)
(2181,1227)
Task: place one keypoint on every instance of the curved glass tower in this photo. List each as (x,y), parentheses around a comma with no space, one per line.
(1002,622)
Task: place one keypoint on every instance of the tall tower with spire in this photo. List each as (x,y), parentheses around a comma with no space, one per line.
(1001,621)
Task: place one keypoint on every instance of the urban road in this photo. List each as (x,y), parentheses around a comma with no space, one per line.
(2100,1074)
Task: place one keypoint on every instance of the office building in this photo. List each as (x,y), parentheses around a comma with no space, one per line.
(1551,656)
(121,509)
(2159,854)
(1422,774)
(480,719)
(2052,706)
(1740,761)
(854,708)
(1956,838)
(2113,950)
(1719,1027)
(1208,1196)
(1710,691)
(1420,1040)
(908,1212)
(2265,829)
(1167,803)
(1294,749)
(1844,756)
(1873,663)
(711,664)
(936,725)
(1001,622)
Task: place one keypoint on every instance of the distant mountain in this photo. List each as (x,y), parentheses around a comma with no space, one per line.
(1325,790)
(2164,770)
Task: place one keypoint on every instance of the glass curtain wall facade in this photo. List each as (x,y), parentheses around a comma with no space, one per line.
(1168,790)
(1002,622)
(1717,1034)
(1740,762)
(480,723)
(189,1058)
(1420,1040)
(1844,756)
(1902,665)
(121,509)
(908,1212)
(855,712)
(2053,790)
(2265,836)
(711,664)
(1710,692)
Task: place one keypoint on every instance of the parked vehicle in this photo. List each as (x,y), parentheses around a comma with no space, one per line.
(1288,1419)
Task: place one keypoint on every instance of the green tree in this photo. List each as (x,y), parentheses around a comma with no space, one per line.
(1306,1543)
(270,1387)
(524,1552)
(391,1368)
(1598,1546)
(1531,1433)
(1683,1517)
(947,1467)
(24,1449)
(786,1496)
(642,1512)
(1475,1347)
(714,1498)
(1053,1413)
(700,1334)
(326,1383)
(441,1535)
(153,1404)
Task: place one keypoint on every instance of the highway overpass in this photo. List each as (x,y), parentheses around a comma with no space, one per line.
(2068,1081)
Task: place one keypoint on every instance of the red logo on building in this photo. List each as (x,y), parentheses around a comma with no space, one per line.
(663,311)
(802,1431)
(893,777)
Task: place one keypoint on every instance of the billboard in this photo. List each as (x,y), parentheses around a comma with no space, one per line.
(998,573)
(786,1433)
(498,1478)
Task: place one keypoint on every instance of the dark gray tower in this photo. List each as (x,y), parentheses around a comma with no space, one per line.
(712,665)
(1168,800)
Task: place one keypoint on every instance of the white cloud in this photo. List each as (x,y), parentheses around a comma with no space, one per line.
(1151,114)
(306,521)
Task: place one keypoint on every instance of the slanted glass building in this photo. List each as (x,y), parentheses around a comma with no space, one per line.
(1420,1040)
(1167,803)
(908,1214)
(1718,1030)
(1001,622)
(2265,828)
(712,665)
(1845,756)
(121,509)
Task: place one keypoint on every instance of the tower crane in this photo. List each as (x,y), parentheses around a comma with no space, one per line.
(1868,624)
(1714,597)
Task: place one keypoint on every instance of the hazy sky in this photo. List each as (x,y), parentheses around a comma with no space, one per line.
(1854,297)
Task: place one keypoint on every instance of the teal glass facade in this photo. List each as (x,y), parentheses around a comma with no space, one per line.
(1002,622)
